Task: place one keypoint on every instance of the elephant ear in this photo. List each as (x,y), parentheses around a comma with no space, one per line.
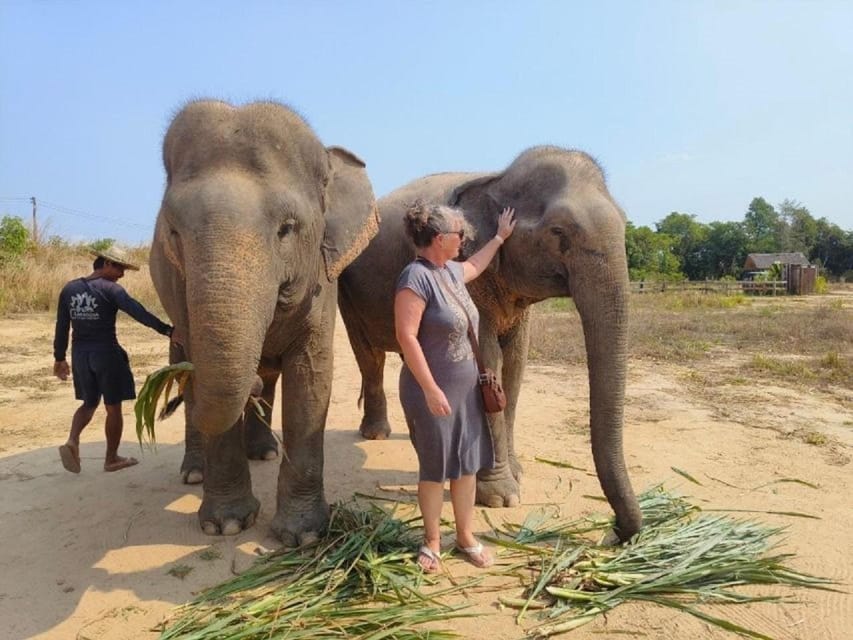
(480,199)
(352,217)
(474,190)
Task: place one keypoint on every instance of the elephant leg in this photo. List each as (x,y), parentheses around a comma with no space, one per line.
(371,363)
(302,512)
(514,346)
(498,487)
(228,505)
(260,440)
(192,466)
(374,425)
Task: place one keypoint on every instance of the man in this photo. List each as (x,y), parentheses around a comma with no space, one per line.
(100,366)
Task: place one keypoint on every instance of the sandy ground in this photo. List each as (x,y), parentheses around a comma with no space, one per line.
(89,555)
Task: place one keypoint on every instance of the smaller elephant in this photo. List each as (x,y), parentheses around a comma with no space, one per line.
(569,241)
(257,221)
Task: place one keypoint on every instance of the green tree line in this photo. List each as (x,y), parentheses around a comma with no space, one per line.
(680,247)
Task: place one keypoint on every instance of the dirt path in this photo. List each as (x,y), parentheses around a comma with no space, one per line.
(90,555)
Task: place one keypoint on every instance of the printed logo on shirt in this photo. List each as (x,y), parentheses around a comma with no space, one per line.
(83,307)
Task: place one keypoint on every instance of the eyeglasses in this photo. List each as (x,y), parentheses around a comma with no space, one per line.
(460,233)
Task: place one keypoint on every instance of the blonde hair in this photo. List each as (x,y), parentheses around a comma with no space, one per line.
(424,221)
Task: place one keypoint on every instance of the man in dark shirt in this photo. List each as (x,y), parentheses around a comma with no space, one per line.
(100,366)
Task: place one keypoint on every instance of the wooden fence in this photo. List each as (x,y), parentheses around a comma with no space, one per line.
(725,287)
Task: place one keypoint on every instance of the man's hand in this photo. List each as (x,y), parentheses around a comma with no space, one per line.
(61,369)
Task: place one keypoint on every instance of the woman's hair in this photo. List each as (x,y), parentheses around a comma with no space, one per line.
(425,221)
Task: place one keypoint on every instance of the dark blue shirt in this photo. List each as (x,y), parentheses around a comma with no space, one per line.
(89,307)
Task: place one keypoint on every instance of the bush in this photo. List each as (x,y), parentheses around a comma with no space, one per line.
(820,285)
(101,244)
(14,237)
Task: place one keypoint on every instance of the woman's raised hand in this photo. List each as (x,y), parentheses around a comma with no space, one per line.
(506,223)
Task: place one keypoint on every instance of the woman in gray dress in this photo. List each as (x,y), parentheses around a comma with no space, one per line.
(438,382)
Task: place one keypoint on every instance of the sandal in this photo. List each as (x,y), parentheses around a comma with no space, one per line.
(478,555)
(431,562)
(70,457)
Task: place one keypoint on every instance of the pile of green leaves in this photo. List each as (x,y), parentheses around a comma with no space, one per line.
(359,581)
(681,558)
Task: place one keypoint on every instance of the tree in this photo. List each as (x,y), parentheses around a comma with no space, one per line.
(689,238)
(762,227)
(833,248)
(726,249)
(14,236)
(800,229)
(650,255)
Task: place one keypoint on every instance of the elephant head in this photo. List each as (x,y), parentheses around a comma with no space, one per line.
(569,241)
(257,218)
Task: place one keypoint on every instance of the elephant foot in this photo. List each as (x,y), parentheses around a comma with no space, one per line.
(515,469)
(498,488)
(192,468)
(262,448)
(297,527)
(375,429)
(228,517)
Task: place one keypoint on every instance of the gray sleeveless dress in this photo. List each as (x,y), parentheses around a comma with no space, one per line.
(459,444)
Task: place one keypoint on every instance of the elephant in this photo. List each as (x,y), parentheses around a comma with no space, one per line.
(569,241)
(257,221)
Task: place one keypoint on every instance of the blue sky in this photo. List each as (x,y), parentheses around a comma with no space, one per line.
(690,106)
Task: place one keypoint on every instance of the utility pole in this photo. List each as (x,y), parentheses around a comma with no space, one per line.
(35,225)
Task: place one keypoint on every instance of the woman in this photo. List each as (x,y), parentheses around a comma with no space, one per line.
(438,382)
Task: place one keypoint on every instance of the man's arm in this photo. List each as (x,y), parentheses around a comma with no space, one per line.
(139,313)
(60,338)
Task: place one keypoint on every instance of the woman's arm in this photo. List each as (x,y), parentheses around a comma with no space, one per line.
(408,312)
(476,264)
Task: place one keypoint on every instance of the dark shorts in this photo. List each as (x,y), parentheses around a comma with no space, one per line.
(102,373)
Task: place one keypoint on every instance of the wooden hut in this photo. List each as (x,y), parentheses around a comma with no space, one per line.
(799,275)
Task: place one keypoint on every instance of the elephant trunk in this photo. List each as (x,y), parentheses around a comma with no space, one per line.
(602,301)
(230,309)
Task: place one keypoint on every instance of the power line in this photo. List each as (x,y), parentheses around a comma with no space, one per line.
(80,214)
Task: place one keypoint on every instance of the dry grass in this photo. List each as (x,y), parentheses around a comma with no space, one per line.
(786,339)
(32,282)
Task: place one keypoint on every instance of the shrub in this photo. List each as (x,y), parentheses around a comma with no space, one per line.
(101,244)
(14,237)
(820,285)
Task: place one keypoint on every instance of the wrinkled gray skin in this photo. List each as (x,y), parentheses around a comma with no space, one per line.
(257,220)
(569,241)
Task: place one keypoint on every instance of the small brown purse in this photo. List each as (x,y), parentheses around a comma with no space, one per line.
(494,398)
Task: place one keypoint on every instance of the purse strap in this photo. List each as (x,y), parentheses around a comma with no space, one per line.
(472,337)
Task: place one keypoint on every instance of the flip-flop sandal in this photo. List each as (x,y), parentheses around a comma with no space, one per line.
(118,465)
(70,458)
(432,556)
(485,560)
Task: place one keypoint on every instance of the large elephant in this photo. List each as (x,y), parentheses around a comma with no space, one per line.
(257,221)
(569,241)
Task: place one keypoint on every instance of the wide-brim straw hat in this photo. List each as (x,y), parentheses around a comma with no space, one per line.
(118,255)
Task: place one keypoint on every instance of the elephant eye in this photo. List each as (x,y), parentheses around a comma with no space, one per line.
(558,231)
(286,227)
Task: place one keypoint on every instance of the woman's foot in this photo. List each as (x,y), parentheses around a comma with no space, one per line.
(428,560)
(478,555)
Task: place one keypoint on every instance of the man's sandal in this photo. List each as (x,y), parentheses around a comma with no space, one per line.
(478,555)
(431,562)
